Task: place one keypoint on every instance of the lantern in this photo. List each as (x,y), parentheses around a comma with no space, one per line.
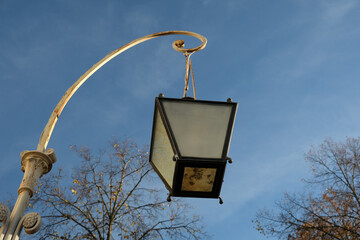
(189,144)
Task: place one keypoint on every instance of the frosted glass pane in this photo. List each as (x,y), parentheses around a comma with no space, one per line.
(162,153)
(198,179)
(199,128)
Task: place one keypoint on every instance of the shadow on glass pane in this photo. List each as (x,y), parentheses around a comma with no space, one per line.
(198,179)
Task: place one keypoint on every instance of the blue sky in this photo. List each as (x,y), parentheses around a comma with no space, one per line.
(291,65)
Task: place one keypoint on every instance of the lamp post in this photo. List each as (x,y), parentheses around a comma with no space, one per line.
(36,163)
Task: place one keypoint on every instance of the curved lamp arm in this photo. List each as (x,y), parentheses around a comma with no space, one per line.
(46,134)
(36,163)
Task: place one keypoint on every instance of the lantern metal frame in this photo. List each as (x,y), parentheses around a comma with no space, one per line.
(220,167)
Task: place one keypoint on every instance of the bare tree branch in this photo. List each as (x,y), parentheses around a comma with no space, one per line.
(111,199)
(331,212)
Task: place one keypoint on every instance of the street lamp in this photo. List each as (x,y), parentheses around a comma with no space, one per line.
(207,157)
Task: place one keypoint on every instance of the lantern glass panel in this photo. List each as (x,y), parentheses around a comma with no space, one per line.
(198,179)
(162,153)
(199,128)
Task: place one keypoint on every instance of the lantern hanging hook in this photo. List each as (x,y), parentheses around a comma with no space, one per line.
(188,69)
(179,44)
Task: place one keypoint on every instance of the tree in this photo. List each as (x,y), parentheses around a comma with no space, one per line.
(111,199)
(329,208)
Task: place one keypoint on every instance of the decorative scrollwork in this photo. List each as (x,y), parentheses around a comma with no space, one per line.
(4,218)
(32,222)
(4,212)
